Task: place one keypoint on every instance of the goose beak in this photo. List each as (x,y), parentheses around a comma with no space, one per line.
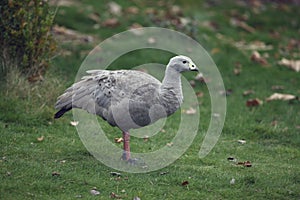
(193,67)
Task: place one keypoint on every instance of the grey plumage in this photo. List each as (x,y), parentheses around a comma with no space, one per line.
(127,98)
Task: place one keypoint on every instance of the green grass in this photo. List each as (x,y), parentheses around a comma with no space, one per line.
(26,164)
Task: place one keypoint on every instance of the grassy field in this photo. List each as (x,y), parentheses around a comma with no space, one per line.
(43,158)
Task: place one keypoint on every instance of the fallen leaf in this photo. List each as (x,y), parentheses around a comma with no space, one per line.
(242,141)
(216,115)
(55,173)
(256,57)
(119,140)
(184,183)
(132,10)
(192,83)
(111,22)
(114,8)
(237,71)
(115,196)
(215,50)
(95,17)
(151,40)
(40,139)
(277,87)
(190,111)
(232,159)
(163,173)
(175,10)
(146,138)
(238,23)
(201,78)
(74,123)
(94,192)
(292,64)
(115,174)
(199,94)
(248,92)
(254,46)
(135,28)
(150,11)
(170,144)
(65,35)
(254,102)
(245,164)
(232,181)
(279,96)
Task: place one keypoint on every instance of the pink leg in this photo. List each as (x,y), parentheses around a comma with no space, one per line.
(126,139)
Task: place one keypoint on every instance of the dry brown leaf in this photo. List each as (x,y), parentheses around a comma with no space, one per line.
(115,196)
(292,64)
(215,51)
(40,139)
(279,96)
(241,24)
(150,11)
(200,77)
(248,92)
(184,183)
(242,141)
(170,144)
(151,40)
(256,57)
(65,35)
(132,10)
(190,111)
(115,174)
(119,140)
(95,17)
(277,87)
(74,123)
(94,192)
(163,130)
(254,46)
(135,29)
(199,94)
(192,83)
(232,181)
(111,22)
(231,159)
(175,10)
(245,164)
(55,173)
(254,102)
(237,71)
(146,138)
(114,8)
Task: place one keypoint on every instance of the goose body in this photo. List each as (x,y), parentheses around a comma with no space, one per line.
(127,99)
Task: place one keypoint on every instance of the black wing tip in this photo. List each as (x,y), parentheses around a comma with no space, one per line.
(61,112)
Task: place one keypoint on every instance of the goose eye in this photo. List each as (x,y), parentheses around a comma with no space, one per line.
(184,62)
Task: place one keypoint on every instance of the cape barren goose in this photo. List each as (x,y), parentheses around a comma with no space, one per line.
(128,99)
